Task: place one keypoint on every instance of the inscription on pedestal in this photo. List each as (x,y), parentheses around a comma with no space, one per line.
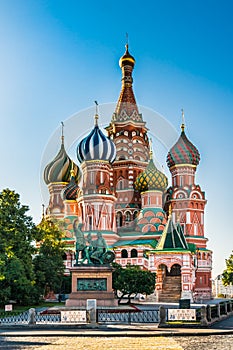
(91,284)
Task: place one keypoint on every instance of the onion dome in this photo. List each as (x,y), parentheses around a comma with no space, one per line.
(70,191)
(96,146)
(151,179)
(183,152)
(126,59)
(59,169)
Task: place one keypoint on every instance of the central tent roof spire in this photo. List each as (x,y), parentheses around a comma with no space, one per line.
(126,108)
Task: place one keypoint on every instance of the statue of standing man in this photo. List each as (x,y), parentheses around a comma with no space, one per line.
(80,240)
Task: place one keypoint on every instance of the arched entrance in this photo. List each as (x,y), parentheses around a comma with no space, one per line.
(171,283)
(175,270)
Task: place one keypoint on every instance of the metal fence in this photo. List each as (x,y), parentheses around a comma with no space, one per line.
(7,318)
(112,316)
(12,317)
(127,316)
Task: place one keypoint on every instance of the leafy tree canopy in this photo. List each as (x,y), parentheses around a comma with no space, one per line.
(132,280)
(228,272)
(17,237)
(48,263)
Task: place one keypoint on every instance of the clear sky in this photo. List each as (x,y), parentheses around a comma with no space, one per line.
(58,56)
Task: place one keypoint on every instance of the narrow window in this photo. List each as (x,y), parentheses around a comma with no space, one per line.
(134,253)
(181,181)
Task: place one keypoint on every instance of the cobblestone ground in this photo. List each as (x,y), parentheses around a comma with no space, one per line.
(220,342)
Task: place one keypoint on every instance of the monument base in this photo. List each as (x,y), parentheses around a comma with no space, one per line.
(91,282)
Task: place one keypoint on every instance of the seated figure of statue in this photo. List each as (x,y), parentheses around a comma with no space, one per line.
(99,247)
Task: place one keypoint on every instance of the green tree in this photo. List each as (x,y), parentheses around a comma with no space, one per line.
(17,234)
(227,276)
(132,280)
(48,263)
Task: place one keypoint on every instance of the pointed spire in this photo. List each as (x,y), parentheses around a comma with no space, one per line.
(96,113)
(62,133)
(127,41)
(183,124)
(151,150)
(72,173)
(126,108)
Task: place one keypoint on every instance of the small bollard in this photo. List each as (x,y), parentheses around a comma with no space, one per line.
(88,316)
(230,306)
(225,307)
(32,316)
(162,315)
(208,313)
(218,311)
(204,321)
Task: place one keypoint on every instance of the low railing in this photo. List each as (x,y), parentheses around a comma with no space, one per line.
(14,317)
(127,316)
(11,317)
(205,315)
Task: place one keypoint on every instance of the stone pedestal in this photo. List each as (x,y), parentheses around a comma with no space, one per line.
(91,282)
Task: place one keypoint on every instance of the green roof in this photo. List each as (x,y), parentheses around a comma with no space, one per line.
(173,250)
(121,243)
(172,237)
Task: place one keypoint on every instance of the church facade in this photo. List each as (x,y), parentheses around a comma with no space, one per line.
(116,189)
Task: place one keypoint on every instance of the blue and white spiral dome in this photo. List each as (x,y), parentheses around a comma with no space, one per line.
(96,146)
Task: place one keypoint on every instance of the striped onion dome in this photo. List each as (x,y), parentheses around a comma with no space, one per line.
(58,170)
(70,191)
(183,152)
(96,146)
(151,179)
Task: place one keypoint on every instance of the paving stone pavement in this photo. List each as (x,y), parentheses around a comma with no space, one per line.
(212,342)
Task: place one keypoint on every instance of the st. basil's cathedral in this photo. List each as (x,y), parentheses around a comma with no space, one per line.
(117,190)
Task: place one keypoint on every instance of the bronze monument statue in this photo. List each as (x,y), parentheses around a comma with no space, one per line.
(95,252)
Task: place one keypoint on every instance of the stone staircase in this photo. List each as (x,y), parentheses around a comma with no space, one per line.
(171,292)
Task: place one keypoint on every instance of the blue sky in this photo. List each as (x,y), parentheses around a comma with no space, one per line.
(57,57)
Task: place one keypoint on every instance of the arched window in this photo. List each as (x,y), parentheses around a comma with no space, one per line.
(135,214)
(119,219)
(120,185)
(134,253)
(124,253)
(90,222)
(101,177)
(127,216)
